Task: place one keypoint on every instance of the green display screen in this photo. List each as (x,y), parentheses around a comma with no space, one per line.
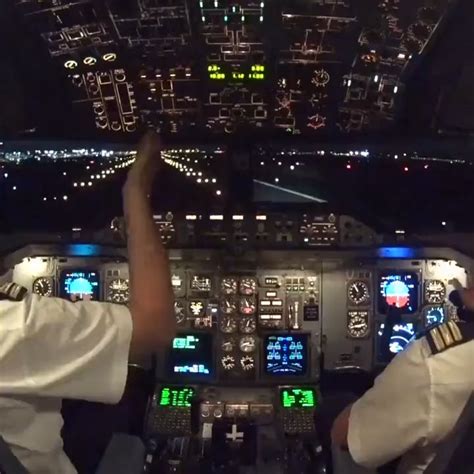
(176,397)
(298,397)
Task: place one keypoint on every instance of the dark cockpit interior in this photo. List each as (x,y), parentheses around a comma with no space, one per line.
(318,173)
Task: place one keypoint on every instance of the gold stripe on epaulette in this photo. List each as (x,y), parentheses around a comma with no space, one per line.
(455,331)
(437,339)
(446,334)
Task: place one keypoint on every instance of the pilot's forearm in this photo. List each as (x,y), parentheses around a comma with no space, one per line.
(150,284)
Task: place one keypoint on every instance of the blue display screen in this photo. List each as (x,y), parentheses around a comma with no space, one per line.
(191,356)
(434,315)
(399,290)
(285,354)
(401,336)
(80,285)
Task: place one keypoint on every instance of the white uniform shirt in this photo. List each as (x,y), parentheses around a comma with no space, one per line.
(52,349)
(414,404)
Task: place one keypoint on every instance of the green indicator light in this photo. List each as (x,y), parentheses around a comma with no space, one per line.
(243,18)
(226,18)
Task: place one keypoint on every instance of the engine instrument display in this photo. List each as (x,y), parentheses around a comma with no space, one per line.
(435,292)
(247,305)
(434,315)
(400,290)
(247,344)
(298,397)
(43,286)
(179,397)
(228,325)
(118,291)
(285,354)
(358,293)
(248,286)
(191,356)
(247,325)
(80,285)
(229,286)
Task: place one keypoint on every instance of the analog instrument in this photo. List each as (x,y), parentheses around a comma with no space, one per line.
(228,325)
(228,306)
(434,316)
(228,345)
(228,362)
(358,324)
(247,344)
(43,286)
(248,286)
(247,306)
(247,363)
(179,312)
(196,307)
(229,286)
(119,291)
(435,292)
(358,292)
(247,325)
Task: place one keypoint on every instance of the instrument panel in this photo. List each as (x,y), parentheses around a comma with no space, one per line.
(266,318)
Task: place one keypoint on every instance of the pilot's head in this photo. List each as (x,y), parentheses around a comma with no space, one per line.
(463,299)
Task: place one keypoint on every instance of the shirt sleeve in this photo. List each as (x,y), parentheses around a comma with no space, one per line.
(54,348)
(392,417)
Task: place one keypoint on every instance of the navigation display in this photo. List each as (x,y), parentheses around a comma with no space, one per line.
(398,289)
(402,335)
(179,397)
(285,354)
(80,285)
(297,397)
(191,356)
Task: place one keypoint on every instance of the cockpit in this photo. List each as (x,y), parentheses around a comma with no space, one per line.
(314,203)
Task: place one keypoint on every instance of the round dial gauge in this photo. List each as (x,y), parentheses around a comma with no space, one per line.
(228,306)
(435,292)
(247,344)
(247,363)
(358,292)
(248,286)
(229,286)
(179,312)
(357,325)
(247,306)
(228,325)
(247,325)
(119,291)
(228,345)
(228,362)
(43,286)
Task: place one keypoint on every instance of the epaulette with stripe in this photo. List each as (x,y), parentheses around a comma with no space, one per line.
(12,292)
(448,335)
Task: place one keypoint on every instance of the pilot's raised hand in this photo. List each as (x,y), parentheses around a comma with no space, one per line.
(147,163)
(466,294)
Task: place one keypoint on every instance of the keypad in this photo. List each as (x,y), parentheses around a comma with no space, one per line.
(297,420)
(170,421)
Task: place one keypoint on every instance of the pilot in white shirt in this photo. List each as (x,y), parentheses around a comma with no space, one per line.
(52,349)
(414,404)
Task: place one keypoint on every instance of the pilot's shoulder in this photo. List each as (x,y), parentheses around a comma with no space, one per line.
(12,292)
(448,335)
